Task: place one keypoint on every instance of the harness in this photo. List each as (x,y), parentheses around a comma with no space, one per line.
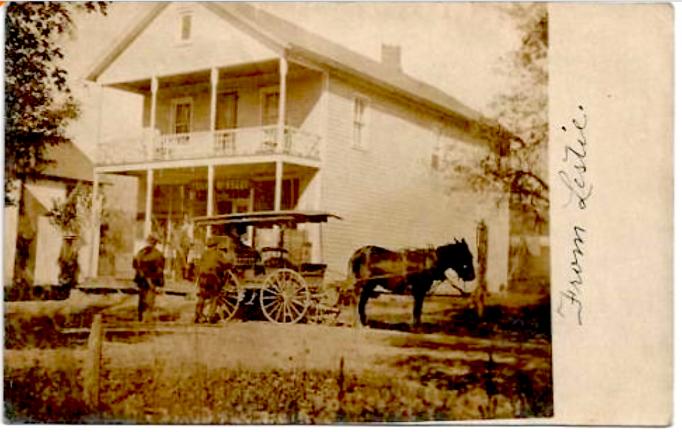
(404,270)
(419,265)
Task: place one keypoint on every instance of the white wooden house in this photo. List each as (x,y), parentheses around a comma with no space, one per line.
(246,111)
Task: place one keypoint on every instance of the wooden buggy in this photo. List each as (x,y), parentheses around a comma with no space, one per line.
(288,290)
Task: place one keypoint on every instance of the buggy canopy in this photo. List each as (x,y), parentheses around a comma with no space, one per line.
(265,219)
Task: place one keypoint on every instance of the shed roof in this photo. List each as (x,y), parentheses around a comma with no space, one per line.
(69,163)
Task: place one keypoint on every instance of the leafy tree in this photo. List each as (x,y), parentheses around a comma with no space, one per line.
(518,167)
(70,215)
(38,101)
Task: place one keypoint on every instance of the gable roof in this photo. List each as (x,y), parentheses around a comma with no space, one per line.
(311,45)
(69,163)
(296,40)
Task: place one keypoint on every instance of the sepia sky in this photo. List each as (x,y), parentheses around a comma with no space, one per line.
(453,46)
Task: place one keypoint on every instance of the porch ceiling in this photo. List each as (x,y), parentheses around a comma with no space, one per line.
(178,176)
(268,67)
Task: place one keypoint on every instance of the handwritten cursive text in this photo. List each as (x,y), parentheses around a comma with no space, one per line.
(573,176)
(574,293)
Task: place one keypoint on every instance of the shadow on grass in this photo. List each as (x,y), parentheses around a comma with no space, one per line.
(514,323)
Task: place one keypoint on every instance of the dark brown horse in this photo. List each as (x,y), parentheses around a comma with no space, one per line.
(407,271)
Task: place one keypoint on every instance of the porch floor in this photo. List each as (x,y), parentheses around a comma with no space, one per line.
(110,285)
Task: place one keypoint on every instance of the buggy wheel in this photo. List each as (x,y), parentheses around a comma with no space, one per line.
(284,296)
(223,306)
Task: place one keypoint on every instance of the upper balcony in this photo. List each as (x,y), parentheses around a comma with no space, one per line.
(151,146)
(249,113)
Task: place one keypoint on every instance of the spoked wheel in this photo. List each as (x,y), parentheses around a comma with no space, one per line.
(284,297)
(223,306)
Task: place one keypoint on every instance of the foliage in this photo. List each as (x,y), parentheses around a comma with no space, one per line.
(198,394)
(518,167)
(38,101)
(70,214)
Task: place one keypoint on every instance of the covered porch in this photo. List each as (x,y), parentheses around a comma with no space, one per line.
(168,198)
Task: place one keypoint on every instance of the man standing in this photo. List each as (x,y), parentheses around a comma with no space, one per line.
(148,264)
(211,269)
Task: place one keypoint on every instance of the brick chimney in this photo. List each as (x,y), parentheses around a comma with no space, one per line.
(390,56)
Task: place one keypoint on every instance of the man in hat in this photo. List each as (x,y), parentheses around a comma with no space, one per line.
(211,269)
(148,264)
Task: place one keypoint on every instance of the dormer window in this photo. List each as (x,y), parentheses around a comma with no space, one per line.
(185,34)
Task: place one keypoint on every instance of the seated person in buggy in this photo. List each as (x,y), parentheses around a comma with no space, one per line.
(241,253)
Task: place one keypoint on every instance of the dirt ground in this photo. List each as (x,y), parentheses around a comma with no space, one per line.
(453,351)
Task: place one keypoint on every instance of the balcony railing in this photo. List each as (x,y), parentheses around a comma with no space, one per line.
(150,146)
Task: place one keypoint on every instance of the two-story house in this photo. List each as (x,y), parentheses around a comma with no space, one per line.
(245,111)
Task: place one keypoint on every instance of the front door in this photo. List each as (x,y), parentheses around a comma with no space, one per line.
(227,111)
(270,107)
(181,118)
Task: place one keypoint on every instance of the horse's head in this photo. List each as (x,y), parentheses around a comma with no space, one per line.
(457,257)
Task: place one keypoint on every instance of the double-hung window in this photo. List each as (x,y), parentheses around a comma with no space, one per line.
(360,122)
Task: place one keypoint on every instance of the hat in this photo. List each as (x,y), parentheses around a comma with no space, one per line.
(152,238)
(213,241)
(233,231)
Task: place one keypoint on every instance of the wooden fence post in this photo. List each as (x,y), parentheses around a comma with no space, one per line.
(482,248)
(93,362)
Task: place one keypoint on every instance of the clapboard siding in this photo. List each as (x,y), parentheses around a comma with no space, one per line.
(388,194)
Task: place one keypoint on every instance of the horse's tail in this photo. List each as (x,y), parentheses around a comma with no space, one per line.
(356,262)
(358,268)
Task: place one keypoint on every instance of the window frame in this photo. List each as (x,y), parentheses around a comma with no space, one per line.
(360,140)
(437,152)
(264,91)
(175,102)
(184,14)
(228,93)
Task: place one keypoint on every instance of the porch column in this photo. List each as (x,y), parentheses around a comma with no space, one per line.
(279,173)
(94,224)
(249,229)
(148,203)
(316,240)
(214,97)
(281,115)
(152,118)
(152,112)
(210,205)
